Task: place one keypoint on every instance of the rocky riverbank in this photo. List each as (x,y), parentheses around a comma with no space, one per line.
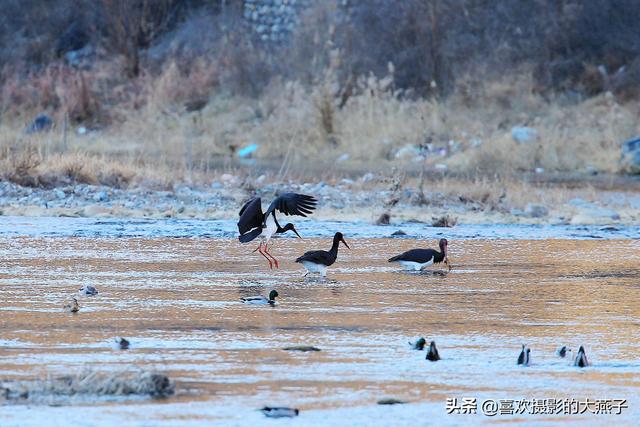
(362,199)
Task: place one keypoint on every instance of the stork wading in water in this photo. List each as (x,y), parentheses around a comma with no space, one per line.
(318,261)
(418,259)
(254,223)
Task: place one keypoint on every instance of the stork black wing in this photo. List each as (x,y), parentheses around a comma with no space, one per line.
(316,257)
(293,204)
(415,255)
(250,216)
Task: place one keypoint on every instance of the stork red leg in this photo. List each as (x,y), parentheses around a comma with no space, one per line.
(263,254)
(266,250)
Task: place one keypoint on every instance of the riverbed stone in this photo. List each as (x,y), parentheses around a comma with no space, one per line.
(101,196)
(595,215)
(41,123)
(95,210)
(536,211)
(630,160)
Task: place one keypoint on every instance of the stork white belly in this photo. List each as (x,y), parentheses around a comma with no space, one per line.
(412,265)
(315,268)
(270,228)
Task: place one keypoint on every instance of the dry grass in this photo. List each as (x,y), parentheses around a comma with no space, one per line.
(147,135)
(89,384)
(506,192)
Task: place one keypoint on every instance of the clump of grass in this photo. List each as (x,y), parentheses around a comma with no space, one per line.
(468,133)
(21,167)
(88,383)
(444,221)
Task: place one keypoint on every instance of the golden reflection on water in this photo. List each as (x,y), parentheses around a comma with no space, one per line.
(177,300)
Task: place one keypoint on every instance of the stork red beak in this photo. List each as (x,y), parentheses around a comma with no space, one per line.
(345,243)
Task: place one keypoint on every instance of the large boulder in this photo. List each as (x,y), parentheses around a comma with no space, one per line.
(630,160)
(42,123)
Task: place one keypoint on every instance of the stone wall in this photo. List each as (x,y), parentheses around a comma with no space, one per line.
(273,20)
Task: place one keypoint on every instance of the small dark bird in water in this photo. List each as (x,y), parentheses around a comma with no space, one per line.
(303,348)
(88,290)
(72,306)
(524,358)
(562,351)
(581,359)
(260,300)
(418,345)
(122,343)
(433,354)
(391,401)
(280,412)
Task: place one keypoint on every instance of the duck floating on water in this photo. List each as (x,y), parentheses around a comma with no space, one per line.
(88,290)
(122,343)
(318,261)
(260,300)
(433,354)
(391,401)
(419,344)
(303,348)
(562,351)
(254,223)
(280,412)
(581,358)
(72,306)
(418,259)
(524,358)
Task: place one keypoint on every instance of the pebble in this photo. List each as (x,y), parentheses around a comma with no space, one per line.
(536,211)
(100,196)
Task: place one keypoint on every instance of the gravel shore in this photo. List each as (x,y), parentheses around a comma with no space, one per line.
(344,201)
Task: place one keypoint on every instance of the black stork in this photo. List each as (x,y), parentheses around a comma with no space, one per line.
(254,223)
(318,261)
(417,259)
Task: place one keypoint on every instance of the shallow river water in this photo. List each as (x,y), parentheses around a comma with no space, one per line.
(177,301)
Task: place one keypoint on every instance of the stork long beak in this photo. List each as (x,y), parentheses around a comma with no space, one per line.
(345,243)
(296,231)
(446,257)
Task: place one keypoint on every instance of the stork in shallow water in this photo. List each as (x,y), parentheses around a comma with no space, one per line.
(417,259)
(318,261)
(254,223)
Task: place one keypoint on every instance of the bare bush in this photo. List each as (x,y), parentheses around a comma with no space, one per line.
(134,24)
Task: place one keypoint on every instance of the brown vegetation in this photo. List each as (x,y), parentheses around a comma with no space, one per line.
(450,77)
